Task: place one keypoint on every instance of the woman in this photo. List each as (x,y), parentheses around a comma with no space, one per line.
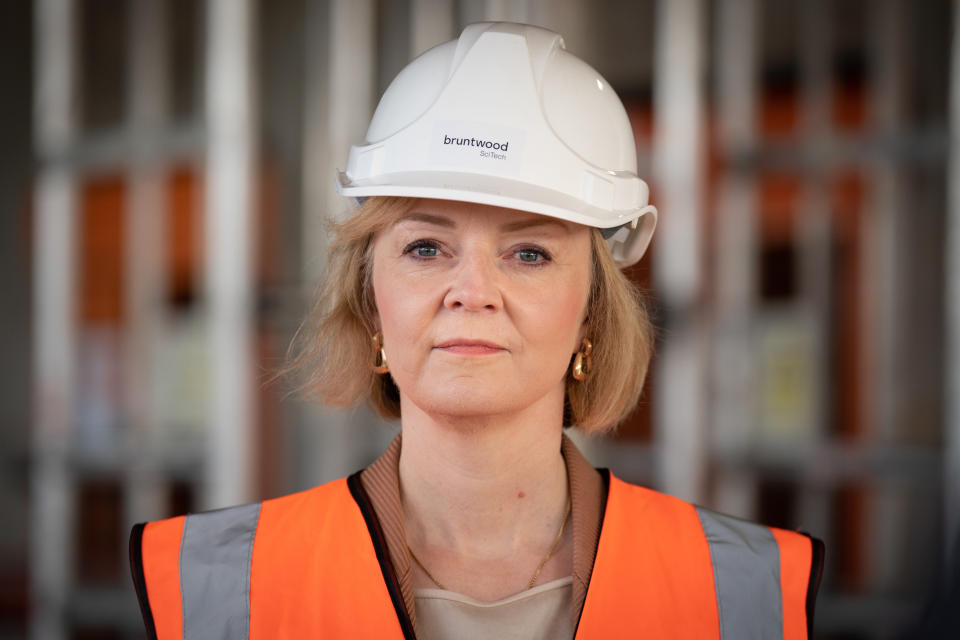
(476,296)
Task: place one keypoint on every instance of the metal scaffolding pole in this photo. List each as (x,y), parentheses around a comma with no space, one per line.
(678,164)
(51,549)
(229,214)
(884,242)
(733,367)
(352,38)
(813,229)
(952,395)
(886,251)
(148,93)
(340,98)
(508,10)
(813,224)
(431,22)
(316,160)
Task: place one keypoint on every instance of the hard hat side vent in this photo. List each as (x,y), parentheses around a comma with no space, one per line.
(586,114)
(412,92)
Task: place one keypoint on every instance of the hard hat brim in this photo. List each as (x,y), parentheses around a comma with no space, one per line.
(492,190)
(628,245)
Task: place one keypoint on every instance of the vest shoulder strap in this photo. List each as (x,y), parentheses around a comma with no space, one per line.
(665,568)
(765,579)
(298,566)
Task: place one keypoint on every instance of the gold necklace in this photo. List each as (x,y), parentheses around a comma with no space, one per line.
(536,574)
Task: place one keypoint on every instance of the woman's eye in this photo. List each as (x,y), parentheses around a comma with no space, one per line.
(422,249)
(531,256)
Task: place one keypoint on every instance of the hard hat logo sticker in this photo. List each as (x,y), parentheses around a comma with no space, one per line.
(474,144)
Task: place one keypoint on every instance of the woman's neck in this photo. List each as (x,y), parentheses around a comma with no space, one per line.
(483,493)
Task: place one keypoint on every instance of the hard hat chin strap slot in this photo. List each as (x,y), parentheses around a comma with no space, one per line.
(629,242)
(609,233)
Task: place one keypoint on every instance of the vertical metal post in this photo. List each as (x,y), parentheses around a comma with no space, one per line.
(339,100)
(952,395)
(884,254)
(733,365)
(883,246)
(352,63)
(339,103)
(814,225)
(509,10)
(314,450)
(431,22)
(678,164)
(318,164)
(51,550)
(229,213)
(814,230)
(148,98)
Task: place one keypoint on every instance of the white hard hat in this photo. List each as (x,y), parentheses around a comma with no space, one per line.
(505,116)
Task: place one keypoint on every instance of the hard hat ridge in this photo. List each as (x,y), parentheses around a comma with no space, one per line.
(505,116)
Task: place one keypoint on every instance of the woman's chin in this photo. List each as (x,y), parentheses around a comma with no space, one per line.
(468,404)
(466,399)
(473,398)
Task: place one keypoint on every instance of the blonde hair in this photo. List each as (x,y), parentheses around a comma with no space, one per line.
(333,347)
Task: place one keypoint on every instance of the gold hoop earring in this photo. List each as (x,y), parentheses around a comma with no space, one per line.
(582,363)
(380,359)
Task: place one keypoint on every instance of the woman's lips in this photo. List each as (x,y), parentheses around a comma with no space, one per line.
(470,347)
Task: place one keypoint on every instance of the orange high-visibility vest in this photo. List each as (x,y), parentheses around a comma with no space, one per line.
(315,565)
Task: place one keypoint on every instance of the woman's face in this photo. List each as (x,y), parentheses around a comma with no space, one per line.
(480,307)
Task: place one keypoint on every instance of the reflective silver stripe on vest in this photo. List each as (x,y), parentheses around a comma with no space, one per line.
(746,574)
(215,556)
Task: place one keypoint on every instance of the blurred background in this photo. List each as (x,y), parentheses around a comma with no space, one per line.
(166,173)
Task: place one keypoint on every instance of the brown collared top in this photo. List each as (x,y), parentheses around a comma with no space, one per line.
(381,480)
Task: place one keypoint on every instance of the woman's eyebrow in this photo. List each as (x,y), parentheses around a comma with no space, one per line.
(534,222)
(429,218)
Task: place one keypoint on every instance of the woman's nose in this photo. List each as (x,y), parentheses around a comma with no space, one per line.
(475,285)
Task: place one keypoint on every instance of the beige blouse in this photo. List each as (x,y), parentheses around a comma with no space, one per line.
(534,614)
(381,481)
